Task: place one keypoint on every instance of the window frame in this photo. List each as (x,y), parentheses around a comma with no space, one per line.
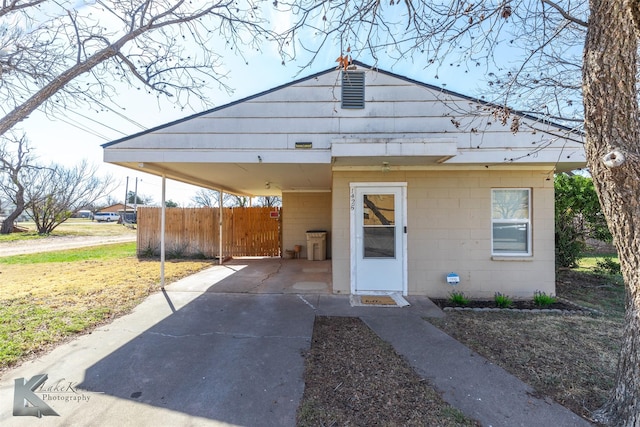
(527,221)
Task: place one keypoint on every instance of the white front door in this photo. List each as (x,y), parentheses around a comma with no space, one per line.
(378,238)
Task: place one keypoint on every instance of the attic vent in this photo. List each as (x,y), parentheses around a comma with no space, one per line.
(352,89)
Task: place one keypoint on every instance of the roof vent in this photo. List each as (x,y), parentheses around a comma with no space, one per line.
(352,89)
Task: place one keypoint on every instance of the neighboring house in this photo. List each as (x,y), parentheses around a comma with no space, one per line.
(114,208)
(410,181)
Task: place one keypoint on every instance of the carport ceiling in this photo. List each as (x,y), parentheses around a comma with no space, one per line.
(244,178)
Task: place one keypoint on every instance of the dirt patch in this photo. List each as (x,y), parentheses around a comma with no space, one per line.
(515,305)
(353,378)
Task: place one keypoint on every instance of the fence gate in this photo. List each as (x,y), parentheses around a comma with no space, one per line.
(195,232)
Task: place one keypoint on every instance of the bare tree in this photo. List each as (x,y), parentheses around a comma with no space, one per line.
(56,55)
(571,61)
(56,192)
(16,170)
(542,40)
(211,198)
(206,198)
(233,201)
(269,201)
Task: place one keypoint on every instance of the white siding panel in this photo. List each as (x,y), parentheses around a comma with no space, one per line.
(516,156)
(405,125)
(380,109)
(404,92)
(300,94)
(255,125)
(278,110)
(401,93)
(507,139)
(332,109)
(225,141)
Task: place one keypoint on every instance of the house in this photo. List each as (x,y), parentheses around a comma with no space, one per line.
(411,182)
(113,208)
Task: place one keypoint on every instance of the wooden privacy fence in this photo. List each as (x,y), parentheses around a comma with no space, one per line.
(195,232)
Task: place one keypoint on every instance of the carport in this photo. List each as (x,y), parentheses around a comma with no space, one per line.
(264,276)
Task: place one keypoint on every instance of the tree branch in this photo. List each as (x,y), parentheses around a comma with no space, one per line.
(564,13)
(13,6)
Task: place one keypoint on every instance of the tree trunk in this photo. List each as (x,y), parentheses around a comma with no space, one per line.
(7,224)
(612,138)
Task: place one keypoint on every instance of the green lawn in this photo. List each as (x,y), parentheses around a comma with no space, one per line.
(103,253)
(589,262)
(71,227)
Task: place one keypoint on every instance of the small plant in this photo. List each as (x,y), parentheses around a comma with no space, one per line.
(541,299)
(177,251)
(607,266)
(147,252)
(502,301)
(458,298)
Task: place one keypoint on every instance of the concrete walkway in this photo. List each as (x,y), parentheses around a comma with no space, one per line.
(193,356)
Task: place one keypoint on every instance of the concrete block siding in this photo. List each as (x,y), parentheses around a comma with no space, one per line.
(302,212)
(449,230)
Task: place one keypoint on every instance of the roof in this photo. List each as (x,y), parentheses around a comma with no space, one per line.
(405,123)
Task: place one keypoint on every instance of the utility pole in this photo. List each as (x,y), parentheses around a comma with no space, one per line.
(126,194)
(135,198)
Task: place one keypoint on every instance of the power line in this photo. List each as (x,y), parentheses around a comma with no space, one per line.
(98,122)
(82,127)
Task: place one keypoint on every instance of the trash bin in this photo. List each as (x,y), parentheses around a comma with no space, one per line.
(316,245)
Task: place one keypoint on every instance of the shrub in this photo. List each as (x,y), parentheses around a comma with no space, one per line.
(541,299)
(502,301)
(569,245)
(147,252)
(577,215)
(458,298)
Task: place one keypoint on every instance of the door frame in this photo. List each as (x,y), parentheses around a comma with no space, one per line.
(353,186)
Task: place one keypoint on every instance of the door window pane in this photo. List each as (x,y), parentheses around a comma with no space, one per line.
(379,242)
(379,209)
(379,232)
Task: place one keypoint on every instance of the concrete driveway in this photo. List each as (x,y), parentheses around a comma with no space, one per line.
(207,353)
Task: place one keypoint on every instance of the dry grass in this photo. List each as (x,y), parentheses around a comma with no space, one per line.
(571,359)
(86,227)
(90,283)
(45,298)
